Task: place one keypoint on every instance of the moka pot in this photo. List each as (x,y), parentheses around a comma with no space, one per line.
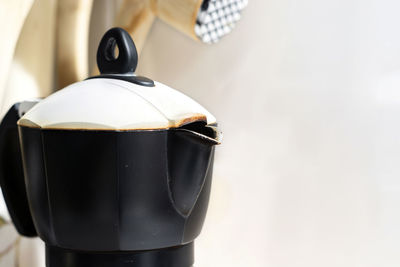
(111,171)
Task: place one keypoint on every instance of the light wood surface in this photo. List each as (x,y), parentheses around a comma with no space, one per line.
(181,14)
(72,31)
(32,69)
(12,17)
(136,17)
(73,19)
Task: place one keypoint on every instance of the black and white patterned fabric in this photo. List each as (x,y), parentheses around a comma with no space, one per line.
(217,18)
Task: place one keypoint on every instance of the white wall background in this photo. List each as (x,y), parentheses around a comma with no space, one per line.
(308,96)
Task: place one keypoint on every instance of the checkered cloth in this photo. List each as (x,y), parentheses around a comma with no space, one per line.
(217,18)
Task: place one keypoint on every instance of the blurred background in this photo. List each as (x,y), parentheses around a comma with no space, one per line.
(307,94)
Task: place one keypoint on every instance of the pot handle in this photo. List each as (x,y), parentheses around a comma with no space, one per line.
(11,173)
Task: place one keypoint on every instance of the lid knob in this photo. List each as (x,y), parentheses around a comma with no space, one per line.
(127,58)
(123,65)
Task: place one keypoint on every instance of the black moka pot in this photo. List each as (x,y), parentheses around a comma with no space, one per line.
(111,171)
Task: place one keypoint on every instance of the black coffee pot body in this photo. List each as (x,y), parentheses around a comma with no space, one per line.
(90,194)
(106,190)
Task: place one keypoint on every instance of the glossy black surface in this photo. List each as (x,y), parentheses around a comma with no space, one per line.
(11,174)
(116,191)
(140,80)
(180,256)
(123,66)
(127,58)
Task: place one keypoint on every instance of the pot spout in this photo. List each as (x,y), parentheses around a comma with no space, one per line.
(202,133)
(190,150)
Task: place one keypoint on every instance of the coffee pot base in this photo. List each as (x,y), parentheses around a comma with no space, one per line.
(179,256)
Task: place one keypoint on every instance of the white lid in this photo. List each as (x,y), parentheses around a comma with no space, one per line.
(111,104)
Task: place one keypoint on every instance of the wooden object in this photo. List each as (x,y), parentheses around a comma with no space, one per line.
(12,17)
(73,19)
(32,69)
(181,14)
(137,16)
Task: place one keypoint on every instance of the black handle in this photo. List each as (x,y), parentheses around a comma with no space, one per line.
(127,58)
(12,175)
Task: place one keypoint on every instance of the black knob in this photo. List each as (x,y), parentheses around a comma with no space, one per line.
(127,58)
(123,66)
